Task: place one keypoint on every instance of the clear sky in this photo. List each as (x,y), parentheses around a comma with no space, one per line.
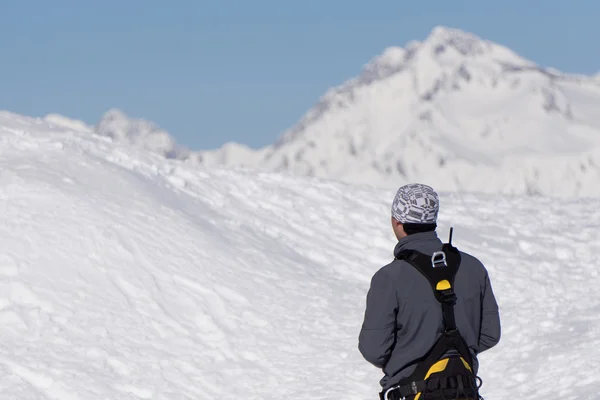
(216,71)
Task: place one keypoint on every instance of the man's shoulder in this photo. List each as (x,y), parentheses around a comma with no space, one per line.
(470,257)
(387,270)
(472,262)
(395,269)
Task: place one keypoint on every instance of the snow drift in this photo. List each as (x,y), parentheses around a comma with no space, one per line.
(126,275)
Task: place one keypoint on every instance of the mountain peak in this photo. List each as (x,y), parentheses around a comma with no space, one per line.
(442,33)
(441,38)
(443,50)
(454,47)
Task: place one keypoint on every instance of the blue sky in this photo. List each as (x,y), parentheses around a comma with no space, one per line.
(216,71)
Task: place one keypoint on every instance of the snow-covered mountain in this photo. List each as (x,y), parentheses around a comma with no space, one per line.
(126,275)
(454,110)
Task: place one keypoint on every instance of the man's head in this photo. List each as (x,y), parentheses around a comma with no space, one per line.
(414,209)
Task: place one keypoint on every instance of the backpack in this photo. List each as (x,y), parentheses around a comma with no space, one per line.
(446,371)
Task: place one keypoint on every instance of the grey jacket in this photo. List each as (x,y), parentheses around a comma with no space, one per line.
(403,319)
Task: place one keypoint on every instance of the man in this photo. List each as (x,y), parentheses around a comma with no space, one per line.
(403,319)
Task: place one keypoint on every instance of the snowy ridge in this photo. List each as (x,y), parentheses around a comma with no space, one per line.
(126,275)
(119,127)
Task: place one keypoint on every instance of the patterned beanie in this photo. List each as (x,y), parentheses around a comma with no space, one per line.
(416,203)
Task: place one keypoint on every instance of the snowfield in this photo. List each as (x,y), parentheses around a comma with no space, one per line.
(125,275)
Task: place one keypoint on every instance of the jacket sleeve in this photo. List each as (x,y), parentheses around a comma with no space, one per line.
(378,332)
(490,318)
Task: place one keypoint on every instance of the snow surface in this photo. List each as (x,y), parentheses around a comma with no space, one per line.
(126,275)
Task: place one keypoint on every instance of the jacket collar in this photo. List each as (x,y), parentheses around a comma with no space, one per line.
(418,241)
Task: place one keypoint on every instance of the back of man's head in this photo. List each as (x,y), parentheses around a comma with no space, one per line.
(416,208)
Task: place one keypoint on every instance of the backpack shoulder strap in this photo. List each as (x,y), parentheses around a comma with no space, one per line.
(440,270)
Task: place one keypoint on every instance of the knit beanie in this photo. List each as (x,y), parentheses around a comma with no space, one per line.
(416,203)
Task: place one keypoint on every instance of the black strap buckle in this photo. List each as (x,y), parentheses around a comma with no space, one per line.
(413,388)
(448,296)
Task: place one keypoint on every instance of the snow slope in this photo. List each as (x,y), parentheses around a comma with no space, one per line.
(126,275)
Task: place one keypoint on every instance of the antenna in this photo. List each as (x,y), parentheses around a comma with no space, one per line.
(450,238)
